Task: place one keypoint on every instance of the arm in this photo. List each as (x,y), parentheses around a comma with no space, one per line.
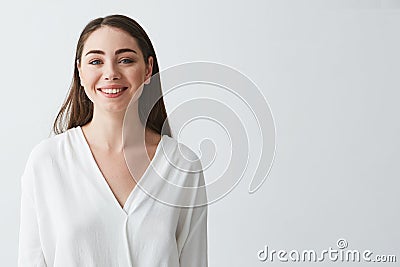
(194,250)
(30,250)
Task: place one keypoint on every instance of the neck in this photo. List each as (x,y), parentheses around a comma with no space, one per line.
(105,130)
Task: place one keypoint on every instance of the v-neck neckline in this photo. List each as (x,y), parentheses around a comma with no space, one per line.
(126,205)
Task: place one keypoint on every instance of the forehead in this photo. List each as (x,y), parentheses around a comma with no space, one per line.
(110,39)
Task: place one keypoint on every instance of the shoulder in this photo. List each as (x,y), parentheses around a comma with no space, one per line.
(183,179)
(179,148)
(179,152)
(47,148)
(182,162)
(49,154)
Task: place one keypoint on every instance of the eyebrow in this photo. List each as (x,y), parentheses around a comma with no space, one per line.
(119,51)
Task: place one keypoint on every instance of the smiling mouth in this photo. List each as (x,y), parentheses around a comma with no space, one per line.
(111,91)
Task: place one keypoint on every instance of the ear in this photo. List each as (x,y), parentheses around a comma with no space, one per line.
(78,66)
(149,70)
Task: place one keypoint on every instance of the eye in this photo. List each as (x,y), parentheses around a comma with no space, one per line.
(126,61)
(95,62)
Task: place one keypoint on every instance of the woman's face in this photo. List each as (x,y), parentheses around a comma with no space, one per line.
(112,69)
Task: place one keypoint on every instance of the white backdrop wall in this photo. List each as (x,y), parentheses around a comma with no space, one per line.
(329,70)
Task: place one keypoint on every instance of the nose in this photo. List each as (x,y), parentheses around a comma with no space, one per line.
(111,72)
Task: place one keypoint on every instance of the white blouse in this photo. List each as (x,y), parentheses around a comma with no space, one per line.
(70,217)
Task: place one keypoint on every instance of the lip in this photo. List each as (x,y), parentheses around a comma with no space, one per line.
(112,86)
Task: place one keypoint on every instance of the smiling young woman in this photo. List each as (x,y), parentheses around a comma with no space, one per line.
(112,69)
(81,203)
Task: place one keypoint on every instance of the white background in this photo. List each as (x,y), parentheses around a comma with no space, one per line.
(329,70)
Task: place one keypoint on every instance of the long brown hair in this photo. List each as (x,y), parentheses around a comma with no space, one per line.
(77,109)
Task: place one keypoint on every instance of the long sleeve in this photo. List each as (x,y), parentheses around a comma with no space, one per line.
(29,251)
(194,251)
(70,216)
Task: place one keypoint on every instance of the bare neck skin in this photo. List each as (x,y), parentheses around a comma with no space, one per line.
(104,131)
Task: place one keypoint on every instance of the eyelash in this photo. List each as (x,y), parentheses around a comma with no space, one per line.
(92,62)
(129,61)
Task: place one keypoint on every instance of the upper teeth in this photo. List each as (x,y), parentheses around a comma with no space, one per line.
(111,91)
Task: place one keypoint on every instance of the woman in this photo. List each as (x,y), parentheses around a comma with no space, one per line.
(99,192)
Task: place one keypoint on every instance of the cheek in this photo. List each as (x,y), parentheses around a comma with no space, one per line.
(88,93)
(89,78)
(136,75)
(88,81)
